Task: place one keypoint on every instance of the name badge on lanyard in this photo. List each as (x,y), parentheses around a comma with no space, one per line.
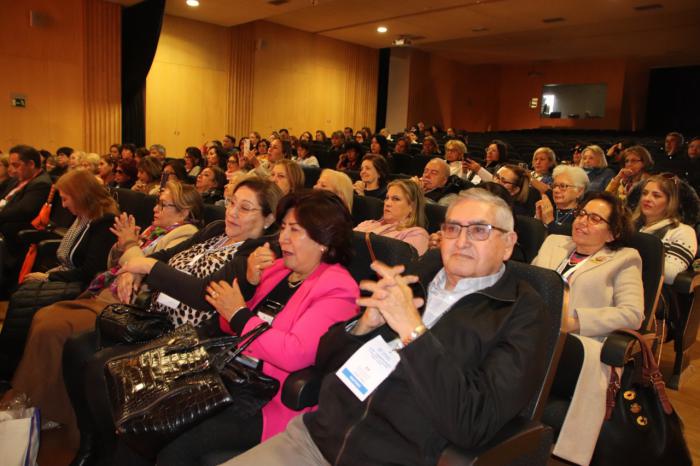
(368,367)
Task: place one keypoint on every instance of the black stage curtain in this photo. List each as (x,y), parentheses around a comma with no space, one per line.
(382,88)
(673,100)
(141,24)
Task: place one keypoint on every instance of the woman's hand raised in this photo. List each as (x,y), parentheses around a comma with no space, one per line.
(126,230)
(262,258)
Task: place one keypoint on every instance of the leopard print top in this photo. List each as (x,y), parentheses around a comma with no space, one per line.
(200,260)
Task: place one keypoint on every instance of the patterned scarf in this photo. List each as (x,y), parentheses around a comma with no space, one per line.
(68,243)
(147,242)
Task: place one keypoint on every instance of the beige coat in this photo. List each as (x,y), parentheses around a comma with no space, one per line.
(606,294)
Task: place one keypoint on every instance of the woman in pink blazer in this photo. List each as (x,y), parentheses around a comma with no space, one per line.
(301,294)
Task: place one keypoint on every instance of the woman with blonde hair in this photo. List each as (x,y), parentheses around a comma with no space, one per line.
(338,183)
(658,213)
(81,254)
(176,217)
(517,181)
(404,216)
(593,161)
(543,162)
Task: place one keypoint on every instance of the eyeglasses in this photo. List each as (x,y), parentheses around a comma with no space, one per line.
(498,177)
(243,208)
(162,205)
(595,219)
(633,161)
(119,170)
(670,176)
(563,186)
(475,231)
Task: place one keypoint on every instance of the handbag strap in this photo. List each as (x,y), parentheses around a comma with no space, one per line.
(220,360)
(651,375)
(368,241)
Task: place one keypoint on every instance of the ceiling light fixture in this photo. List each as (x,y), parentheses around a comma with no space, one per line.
(382,29)
(192,3)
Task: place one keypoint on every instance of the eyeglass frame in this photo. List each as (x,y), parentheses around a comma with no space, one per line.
(564,186)
(498,177)
(590,216)
(243,209)
(162,205)
(468,227)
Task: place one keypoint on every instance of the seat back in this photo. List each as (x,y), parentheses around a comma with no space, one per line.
(651,249)
(435,214)
(531,233)
(311,176)
(554,292)
(137,204)
(212,213)
(391,251)
(366,208)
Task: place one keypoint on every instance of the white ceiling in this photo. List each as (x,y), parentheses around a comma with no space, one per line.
(515,30)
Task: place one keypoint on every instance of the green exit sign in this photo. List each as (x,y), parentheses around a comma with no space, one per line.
(18,101)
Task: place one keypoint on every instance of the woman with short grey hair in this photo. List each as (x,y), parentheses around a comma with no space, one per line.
(556,208)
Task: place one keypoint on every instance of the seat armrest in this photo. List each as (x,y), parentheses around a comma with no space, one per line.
(519,438)
(620,347)
(301,388)
(46,254)
(35,236)
(686,282)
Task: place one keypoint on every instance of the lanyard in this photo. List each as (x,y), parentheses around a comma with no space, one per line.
(565,275)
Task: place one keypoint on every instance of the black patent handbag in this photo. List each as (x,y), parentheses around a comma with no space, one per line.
(641,427)
(128,324)
(176,381)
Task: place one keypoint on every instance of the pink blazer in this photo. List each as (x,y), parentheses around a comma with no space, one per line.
(326,296)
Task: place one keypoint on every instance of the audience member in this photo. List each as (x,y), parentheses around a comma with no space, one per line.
(543,162)
(320,136)
(606,294)
(351,159)
(692,173)
(288,176)
(193,161)
(21,204)
(379,145)
(158,151)
(62,159)
(401,146)
(404,216)
(596,167)
(128,151)
(105,170)
(182,274)
(228,143)
(314,290)
(7,181)
(217,157)
(148,176)
(338,183)
(673,159)
(176,217)
(464,368)
(337,145)
(81,254)
(374,176)
(637,165)
(304,156)
(437,183)
(210,184)
(115,150)
(557,207)
(517,181)
(430,147)
(658,213)
(175,171)
(125,174)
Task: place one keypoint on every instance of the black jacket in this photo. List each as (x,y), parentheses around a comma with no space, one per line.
(453,185)
(190,289)
(89,253)
(460,382)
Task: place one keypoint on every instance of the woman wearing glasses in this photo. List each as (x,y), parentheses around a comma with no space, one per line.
(301,293)
(556,208)
(178,277)
(176,217)
(637,164)
(606,294)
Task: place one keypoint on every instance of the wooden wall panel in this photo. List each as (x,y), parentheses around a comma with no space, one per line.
(241,80)
(44,62)
(187,86)
(102,75)
(307,82)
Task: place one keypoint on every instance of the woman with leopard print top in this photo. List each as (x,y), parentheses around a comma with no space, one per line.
(179,277)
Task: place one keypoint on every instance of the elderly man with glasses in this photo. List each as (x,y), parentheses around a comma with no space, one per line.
(448,355)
